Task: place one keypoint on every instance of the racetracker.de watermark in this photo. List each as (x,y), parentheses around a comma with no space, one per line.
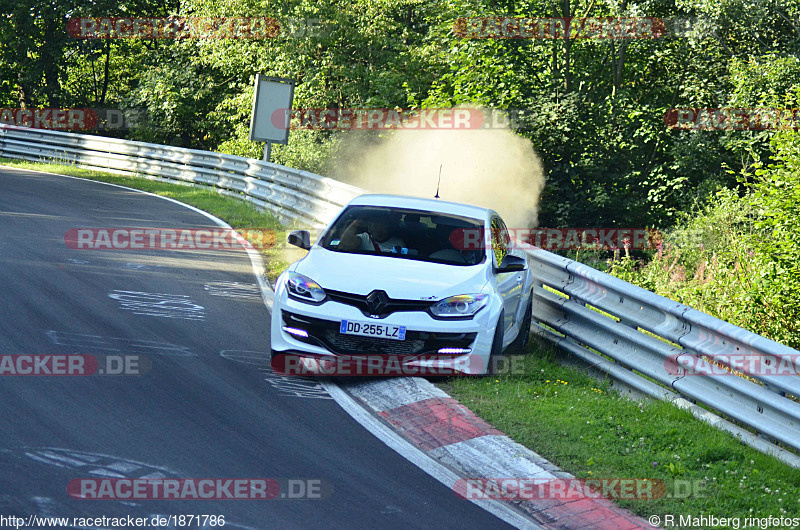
(198,489)
(176,28)
(173,28)
(454,363)
(559,28)
(51,118)
(370,119)
(72,365)
(573,489)
(748,364)
(733,119)
(557,238)
(169,238)
(74,119)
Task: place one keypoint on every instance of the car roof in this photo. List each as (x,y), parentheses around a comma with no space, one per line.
(417,203)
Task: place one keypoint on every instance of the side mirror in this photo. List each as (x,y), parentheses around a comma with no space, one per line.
(300,238)
(512,263)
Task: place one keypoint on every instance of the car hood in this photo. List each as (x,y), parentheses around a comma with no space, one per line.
(399,278)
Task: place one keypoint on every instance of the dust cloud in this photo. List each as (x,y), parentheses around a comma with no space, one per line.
(493,168)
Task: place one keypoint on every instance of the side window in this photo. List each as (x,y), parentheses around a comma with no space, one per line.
(500,240)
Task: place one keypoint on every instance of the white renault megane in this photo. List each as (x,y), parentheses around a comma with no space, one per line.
(405,278)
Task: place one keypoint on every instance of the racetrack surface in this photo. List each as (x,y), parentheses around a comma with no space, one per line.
(207,407)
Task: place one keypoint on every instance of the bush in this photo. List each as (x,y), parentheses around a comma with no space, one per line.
(737,258)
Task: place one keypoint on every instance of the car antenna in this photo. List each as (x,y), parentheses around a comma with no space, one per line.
(438,183)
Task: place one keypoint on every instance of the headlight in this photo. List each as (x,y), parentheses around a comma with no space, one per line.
(463,305)
(304,288)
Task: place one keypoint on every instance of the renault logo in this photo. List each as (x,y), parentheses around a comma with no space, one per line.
(377,302)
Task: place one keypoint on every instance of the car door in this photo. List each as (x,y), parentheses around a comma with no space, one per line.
(509,284)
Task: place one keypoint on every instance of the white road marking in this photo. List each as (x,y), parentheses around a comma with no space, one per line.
(84,342)
(158,304)
(243,291)
(285,386)
(96,463)
(62,458)
(136,266)
(46,506)
(292,386)
(43,460)
(100,472)
(384,433)
(124,467)
(246,357)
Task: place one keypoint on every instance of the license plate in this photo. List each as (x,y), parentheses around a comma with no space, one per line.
(370,329)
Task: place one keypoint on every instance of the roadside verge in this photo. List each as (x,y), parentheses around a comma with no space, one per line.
(450,434)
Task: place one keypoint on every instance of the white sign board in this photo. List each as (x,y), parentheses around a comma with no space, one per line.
(272,107)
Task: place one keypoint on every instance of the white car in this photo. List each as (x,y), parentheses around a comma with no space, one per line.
(424,282)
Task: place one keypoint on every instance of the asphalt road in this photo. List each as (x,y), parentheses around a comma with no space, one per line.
(207,406)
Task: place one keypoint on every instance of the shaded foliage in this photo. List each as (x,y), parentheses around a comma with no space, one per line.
(593,108)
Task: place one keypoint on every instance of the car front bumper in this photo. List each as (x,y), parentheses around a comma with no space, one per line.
(425,349)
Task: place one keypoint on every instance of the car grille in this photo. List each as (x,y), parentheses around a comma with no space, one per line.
(389,305)
(339,342)
(326,333)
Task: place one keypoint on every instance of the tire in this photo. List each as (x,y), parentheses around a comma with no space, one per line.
(524,335)
(497,346)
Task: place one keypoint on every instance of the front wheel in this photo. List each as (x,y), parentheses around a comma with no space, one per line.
(497,346)
(524,334)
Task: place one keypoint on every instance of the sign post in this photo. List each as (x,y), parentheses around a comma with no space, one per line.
(272,110)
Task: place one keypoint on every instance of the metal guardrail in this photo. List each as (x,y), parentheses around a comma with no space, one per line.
(617,327)
(590,313)
(294,195)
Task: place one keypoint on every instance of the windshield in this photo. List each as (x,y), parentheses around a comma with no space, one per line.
(406,234)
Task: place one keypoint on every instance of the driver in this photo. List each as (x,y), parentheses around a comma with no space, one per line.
(370,232)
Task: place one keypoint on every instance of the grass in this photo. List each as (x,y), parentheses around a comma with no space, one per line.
(592,432)
(565,415)
(262,229)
